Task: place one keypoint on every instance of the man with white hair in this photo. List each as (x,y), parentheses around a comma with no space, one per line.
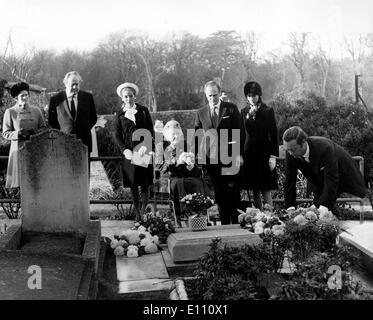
(73,110)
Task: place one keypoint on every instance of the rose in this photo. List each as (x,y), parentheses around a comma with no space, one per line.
(151,248)
(326,216)
(310,215)
(145,242)
(258,230)
(156,239)
(119,251)
(278,230)
(141,229)
(114,244)
(259,224)
(300,219)
(133,238)
(132,252)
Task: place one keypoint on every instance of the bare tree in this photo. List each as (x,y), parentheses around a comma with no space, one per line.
(323,60)
(19,67)
(299,55)
(356,46)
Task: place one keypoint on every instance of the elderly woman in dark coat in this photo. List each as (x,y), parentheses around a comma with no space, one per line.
(179,166)
(261,146)
(134,134)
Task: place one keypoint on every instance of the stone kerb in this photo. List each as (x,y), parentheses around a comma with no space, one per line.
(190,246)
(54,183)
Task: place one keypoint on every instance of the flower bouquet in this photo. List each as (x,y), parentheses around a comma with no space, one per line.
(311,231)
(196,206)
(145,237)
(262,223)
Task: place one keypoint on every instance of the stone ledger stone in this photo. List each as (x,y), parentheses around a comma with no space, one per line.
(148,266)
(360,236)
(54,183)
(190,246)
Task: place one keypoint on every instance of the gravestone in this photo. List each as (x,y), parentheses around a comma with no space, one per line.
(54,183)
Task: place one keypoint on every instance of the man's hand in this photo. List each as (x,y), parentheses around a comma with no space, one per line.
(272,162)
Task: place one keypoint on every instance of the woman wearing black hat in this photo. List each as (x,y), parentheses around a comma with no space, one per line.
(19,122)
(261,146)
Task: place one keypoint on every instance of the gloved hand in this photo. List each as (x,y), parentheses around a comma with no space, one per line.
(182,158)
(127,154)
(272,162)
(25,133)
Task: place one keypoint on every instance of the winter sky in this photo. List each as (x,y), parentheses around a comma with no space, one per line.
(82,24)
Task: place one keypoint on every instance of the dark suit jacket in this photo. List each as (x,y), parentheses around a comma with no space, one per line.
(59,116)
(331,170)
(229,118)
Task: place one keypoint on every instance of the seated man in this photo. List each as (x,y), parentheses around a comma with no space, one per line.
(179,166)
(325,164)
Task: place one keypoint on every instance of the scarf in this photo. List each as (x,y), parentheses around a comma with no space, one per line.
(129,113)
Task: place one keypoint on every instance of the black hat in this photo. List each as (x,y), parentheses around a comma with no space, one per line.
(253,88)
(18,88)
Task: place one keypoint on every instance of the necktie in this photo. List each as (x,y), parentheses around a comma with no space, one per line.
(72,108)
(214,116)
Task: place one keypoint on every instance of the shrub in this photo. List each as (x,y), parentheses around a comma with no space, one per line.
(346,123)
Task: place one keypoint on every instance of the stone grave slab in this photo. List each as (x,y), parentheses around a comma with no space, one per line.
(148,289)
(61,276)
(147,266)
(109,228)
(191,245)
(360,236)
(54,183)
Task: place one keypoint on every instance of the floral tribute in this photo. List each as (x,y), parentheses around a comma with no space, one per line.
(259,222)
(145,237)
(196,204)
(303,231)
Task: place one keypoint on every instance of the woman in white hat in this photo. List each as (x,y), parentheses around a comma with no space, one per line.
(134,134)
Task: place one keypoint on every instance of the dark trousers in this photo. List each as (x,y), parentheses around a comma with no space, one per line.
(227,197)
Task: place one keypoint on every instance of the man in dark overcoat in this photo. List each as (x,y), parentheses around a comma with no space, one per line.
(73,110)
(330,169)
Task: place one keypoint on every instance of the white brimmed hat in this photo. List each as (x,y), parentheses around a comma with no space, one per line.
(127,85)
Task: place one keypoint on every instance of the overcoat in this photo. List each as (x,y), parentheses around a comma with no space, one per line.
(124,129)
(261,141)
(331,170)
(15,119)
(59,116)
